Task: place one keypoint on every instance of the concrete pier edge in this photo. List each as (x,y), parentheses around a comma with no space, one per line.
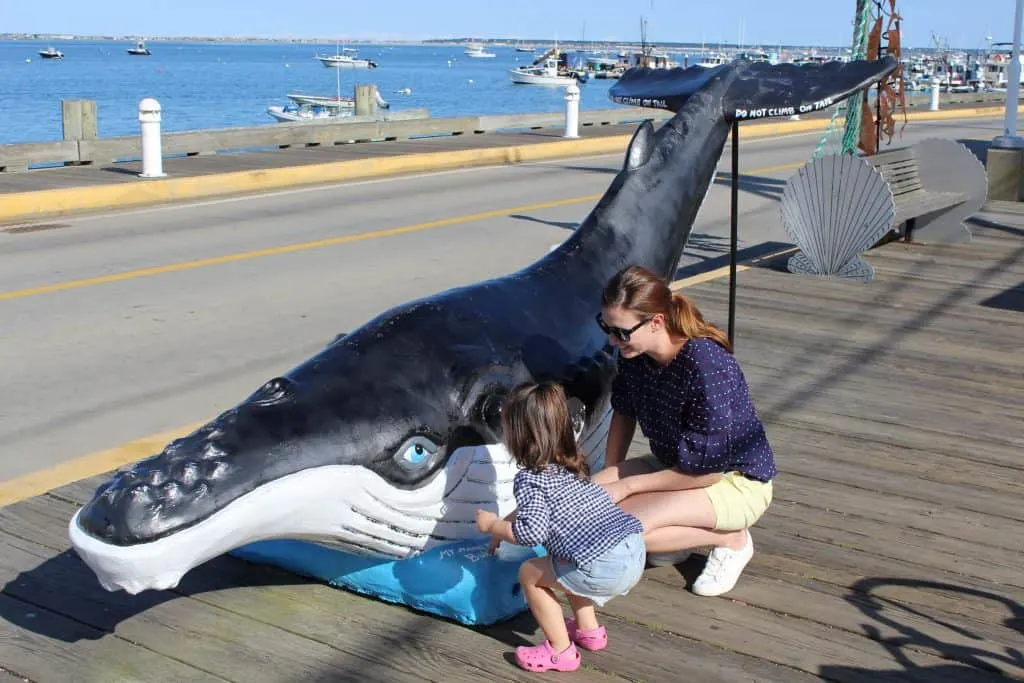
(20,207)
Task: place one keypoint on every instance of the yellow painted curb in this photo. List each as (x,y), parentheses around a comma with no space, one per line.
(41,481)
(24,206)
(27,206)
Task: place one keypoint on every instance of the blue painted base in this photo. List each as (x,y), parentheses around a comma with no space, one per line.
(459,581)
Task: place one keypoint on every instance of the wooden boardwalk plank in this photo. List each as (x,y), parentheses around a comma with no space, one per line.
(209,623)
(849,567)
(792,642)
(872,508)
(884,620)
(214,640)
(1001,486)
(44,646)
(873,433)
(930,551)
(415,644)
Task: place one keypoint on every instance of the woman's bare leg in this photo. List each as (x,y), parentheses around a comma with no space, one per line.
(658,509)
(626,468)
(679,520)
(670,539)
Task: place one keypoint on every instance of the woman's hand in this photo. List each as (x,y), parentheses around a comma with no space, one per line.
(618,489)
(485,520)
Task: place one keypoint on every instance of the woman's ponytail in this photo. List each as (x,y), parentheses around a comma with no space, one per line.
(637,289)
(685,320)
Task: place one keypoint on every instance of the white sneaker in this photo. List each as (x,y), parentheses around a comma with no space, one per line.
(723,569)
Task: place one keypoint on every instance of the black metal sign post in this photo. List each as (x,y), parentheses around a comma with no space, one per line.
(734,229)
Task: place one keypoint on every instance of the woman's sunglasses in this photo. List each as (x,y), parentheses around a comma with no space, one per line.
(621,333)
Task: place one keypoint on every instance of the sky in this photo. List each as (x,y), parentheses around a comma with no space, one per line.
(752,22)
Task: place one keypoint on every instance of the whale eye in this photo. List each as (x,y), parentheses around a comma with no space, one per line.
(490,410)
(416,453)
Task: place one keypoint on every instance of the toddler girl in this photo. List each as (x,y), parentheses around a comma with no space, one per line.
(595,551)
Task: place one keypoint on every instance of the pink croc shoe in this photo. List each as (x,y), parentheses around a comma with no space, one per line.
(542,658)
(594,639)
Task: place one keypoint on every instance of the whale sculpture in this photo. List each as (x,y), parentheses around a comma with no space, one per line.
(381,447)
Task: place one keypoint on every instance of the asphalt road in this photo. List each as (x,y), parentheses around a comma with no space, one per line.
(117,326)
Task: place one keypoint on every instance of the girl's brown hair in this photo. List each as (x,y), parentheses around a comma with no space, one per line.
(639,290)
(538,428)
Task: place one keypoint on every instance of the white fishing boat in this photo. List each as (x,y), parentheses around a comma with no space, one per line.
(346,62)
(323,101)
(548,69)
(710,60)
(994,68)
(476,51)
(345,58)
(140,49)
(308,112)
(336,101)
(51,53)
(319,107)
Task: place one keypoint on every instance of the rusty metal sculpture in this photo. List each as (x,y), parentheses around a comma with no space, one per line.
(891,92)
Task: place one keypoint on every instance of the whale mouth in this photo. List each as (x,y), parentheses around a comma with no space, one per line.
(346,507)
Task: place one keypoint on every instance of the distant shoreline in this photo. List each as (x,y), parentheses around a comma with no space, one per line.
(533,43)
(508,42)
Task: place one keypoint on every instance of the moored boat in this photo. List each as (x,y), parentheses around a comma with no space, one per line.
(140,49)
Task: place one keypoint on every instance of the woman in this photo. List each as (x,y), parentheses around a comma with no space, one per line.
(709,476)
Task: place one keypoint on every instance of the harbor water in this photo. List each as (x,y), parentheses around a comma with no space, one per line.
(219,85)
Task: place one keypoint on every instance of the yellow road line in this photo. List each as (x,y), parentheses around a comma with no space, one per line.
(39,482)
(287,248)
(304,246)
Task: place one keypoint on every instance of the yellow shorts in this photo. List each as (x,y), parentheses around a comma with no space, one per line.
(738,502)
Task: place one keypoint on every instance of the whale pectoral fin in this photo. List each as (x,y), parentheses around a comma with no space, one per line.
(640,147)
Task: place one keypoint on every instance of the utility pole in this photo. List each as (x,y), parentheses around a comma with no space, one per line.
(1009,139)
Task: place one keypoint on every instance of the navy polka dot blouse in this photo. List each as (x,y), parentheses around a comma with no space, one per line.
(696,411)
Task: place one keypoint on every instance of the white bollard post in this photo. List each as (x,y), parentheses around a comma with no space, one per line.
(149,122)
(572,111)
(934,106)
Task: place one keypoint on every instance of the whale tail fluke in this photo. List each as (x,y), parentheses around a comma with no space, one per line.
(754,90)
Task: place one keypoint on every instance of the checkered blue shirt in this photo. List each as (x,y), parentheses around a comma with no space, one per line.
(573,518)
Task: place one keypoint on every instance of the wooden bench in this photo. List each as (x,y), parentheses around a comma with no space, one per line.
(930,181)
(839,205)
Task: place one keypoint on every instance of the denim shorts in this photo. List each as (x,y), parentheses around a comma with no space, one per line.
(612,573)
